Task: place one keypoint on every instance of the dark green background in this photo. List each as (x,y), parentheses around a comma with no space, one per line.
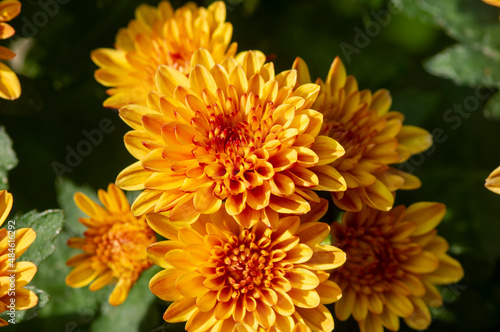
(61,99)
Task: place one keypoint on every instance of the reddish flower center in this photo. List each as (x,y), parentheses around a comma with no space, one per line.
(247,265)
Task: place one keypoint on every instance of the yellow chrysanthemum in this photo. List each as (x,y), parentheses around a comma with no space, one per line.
(233,133)
(10,88)
(115,245)
(394,261)
(493,181)
(373,138)
(224,277)
(14,275)
(160,36)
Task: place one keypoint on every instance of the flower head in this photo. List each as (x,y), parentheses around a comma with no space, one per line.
(224,277)
(493,181)
(373,138)
(232,133)
(10,88)
(11,272)
(114,244)
(394,261)
(160,36)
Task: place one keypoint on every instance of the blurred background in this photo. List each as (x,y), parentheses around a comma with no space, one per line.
(440,59)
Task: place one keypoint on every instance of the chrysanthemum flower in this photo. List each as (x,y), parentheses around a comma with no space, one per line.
(224,277)
(160,36)
(115,245)
(10,88)
(14,275)
(233,133)
(493,181)
(394,261)
(373,138)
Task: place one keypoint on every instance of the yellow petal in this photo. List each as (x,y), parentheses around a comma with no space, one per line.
(290,204)
(25,299)
(101,281)
(180,310)
(302,278)
(304,298)
(81,276)
(329,292)
(427,215)
(493,181)
(343,308)
(6,202)
(190,284)
(303,75)
(415,139)
(400,305)
(133,177)
(329,179)
(163,284)
(423,262)
(162,225)
(327,149)
(10,88)
(167,79)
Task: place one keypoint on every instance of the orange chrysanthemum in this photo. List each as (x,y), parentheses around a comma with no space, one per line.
(10,88)
(394,261)
(115,245)
(224,277)
(493,181)
(160,36)
(373,138)
(14,275)
(233,133)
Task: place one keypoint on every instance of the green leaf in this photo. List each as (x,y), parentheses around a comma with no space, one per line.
(47,226)
(465,66)
(8,158)
(492,107)
(468,21)
(132,315)
(475,25)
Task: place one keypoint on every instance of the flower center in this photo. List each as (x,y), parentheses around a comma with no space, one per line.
(245,264)
(122,248)
(372,260)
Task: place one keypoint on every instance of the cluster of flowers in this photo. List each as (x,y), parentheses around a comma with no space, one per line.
(234,164)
